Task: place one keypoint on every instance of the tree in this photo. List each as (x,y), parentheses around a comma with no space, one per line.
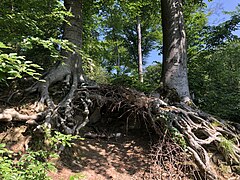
(197,130)
(140,68)
(70,67)
(174,71)
(121,32)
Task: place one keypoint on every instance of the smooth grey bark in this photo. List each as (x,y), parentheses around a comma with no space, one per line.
(71,65)
(71,68)
(140,69)
(174,71)
(73,33)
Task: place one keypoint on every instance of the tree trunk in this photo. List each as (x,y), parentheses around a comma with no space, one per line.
(73,33)
(140,70)
(174,72)
(71,65)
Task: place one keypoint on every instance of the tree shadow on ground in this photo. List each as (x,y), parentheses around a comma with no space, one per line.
(125,157)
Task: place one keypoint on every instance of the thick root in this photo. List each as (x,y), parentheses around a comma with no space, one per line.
(204,137)
(61,115)
(12,115)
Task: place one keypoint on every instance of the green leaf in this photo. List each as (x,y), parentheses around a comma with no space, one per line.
(3,46)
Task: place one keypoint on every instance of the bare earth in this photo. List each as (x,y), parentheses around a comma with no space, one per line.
(124,158)
(99,159)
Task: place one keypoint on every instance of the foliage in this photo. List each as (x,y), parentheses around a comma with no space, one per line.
(96,73)
(218,35)
(178,138)
(195,20)
(30,165)
(34,18)
(14,66)
(132,81)
(152,76)
(33,164)
(91,30)
(227,147)
(55,140)
(77,176)
(127,80)
(214,68)
(215,77)
(32,29)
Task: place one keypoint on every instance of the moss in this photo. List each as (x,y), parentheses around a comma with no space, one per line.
(216,124)
(227,145)
(228,149)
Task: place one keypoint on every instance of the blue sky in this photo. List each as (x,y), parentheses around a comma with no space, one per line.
(216,7)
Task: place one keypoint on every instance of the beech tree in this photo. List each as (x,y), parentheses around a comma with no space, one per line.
(174,68)
(196,128)
(70,68)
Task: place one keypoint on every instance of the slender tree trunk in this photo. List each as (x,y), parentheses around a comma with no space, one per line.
(140,69)
(118,62)
(174,72)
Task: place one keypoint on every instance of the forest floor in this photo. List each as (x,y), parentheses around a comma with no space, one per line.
(98,159)
(125,157)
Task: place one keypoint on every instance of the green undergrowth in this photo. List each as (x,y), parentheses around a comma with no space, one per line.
(34,164)
(228,148)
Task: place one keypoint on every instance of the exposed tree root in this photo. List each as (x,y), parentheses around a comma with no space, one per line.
(170,160)
(60,115)
(12,115)
(199,134)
